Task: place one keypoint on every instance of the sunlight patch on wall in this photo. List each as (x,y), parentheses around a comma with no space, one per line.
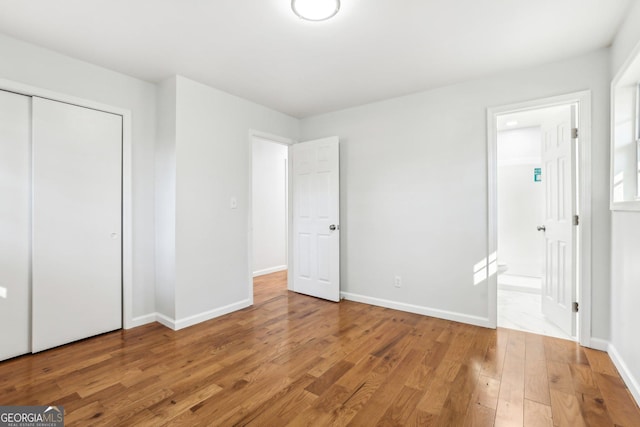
(618,186)
(484,269)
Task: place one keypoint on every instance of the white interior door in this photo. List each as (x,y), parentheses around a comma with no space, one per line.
(15,224)
(77,285)
(559,281)
(316,213)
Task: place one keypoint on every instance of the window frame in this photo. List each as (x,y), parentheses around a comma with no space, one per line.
(624,184)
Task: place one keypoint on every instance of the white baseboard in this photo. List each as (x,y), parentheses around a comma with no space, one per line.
(598,344)
(191,320)
(208,315)
(629,379)
(269,270)
(166,321)
(142,320)
(426,311)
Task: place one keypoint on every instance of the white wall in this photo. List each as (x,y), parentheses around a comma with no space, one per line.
(414,192)
(627,38)
(269,205)
(625,293)
(212,158)
(413,185)
(520,202)
(35,66)
(166,199)
(625,250)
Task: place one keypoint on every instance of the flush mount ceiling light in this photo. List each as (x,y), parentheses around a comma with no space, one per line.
(315,10)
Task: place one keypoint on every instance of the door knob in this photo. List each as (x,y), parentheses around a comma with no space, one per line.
(541,228)
(332,227)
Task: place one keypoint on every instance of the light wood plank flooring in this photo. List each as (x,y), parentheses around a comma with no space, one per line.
(296,360)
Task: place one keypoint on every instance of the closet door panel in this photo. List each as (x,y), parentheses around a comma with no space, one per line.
(77,274)
(15,224)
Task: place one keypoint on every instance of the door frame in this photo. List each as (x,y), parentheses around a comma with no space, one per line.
(583,257)
(128,321)
(288,142)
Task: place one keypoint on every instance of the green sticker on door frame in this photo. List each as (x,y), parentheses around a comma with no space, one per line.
(537,175)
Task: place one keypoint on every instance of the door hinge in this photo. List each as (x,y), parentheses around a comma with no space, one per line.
(575,307)
(574,133)
(576,220)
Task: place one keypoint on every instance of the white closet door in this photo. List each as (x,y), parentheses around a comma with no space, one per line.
(77,285)
(15,224)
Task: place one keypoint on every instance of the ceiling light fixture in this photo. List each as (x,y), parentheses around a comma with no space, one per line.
(315,10)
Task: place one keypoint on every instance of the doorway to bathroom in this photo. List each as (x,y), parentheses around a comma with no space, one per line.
(537,177)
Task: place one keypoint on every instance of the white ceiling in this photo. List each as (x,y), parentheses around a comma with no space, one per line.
(259,50)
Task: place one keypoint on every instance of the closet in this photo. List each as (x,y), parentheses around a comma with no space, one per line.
(60,223)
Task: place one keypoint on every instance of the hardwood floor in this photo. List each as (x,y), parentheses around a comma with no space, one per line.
(296,360)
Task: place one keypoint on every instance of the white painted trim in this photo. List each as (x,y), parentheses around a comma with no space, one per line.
(278,140)
(290,260)
(628,206)
(620,78)
(211,314)
(127,222)
(584,210)
(143,320)
(417,309)
(166,321)
(492,209)
(583,99)
(127,179)
(612,141)
(271,137)
(631,382)
(192,320)
(269,270)
(599,344)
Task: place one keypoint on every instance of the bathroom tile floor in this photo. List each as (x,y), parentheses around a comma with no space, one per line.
(522,311)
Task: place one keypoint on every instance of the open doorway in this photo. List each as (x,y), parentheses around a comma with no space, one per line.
(537,194)
(579,203)
(270,221)
(294,191)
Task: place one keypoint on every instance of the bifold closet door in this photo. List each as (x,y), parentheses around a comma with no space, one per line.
(77,262)
(15,224)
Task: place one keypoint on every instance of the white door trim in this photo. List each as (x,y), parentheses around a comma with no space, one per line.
(127,196)
(583,99)
(278,140)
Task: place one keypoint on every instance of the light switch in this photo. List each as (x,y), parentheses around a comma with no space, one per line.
(3,292)
(234,203)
